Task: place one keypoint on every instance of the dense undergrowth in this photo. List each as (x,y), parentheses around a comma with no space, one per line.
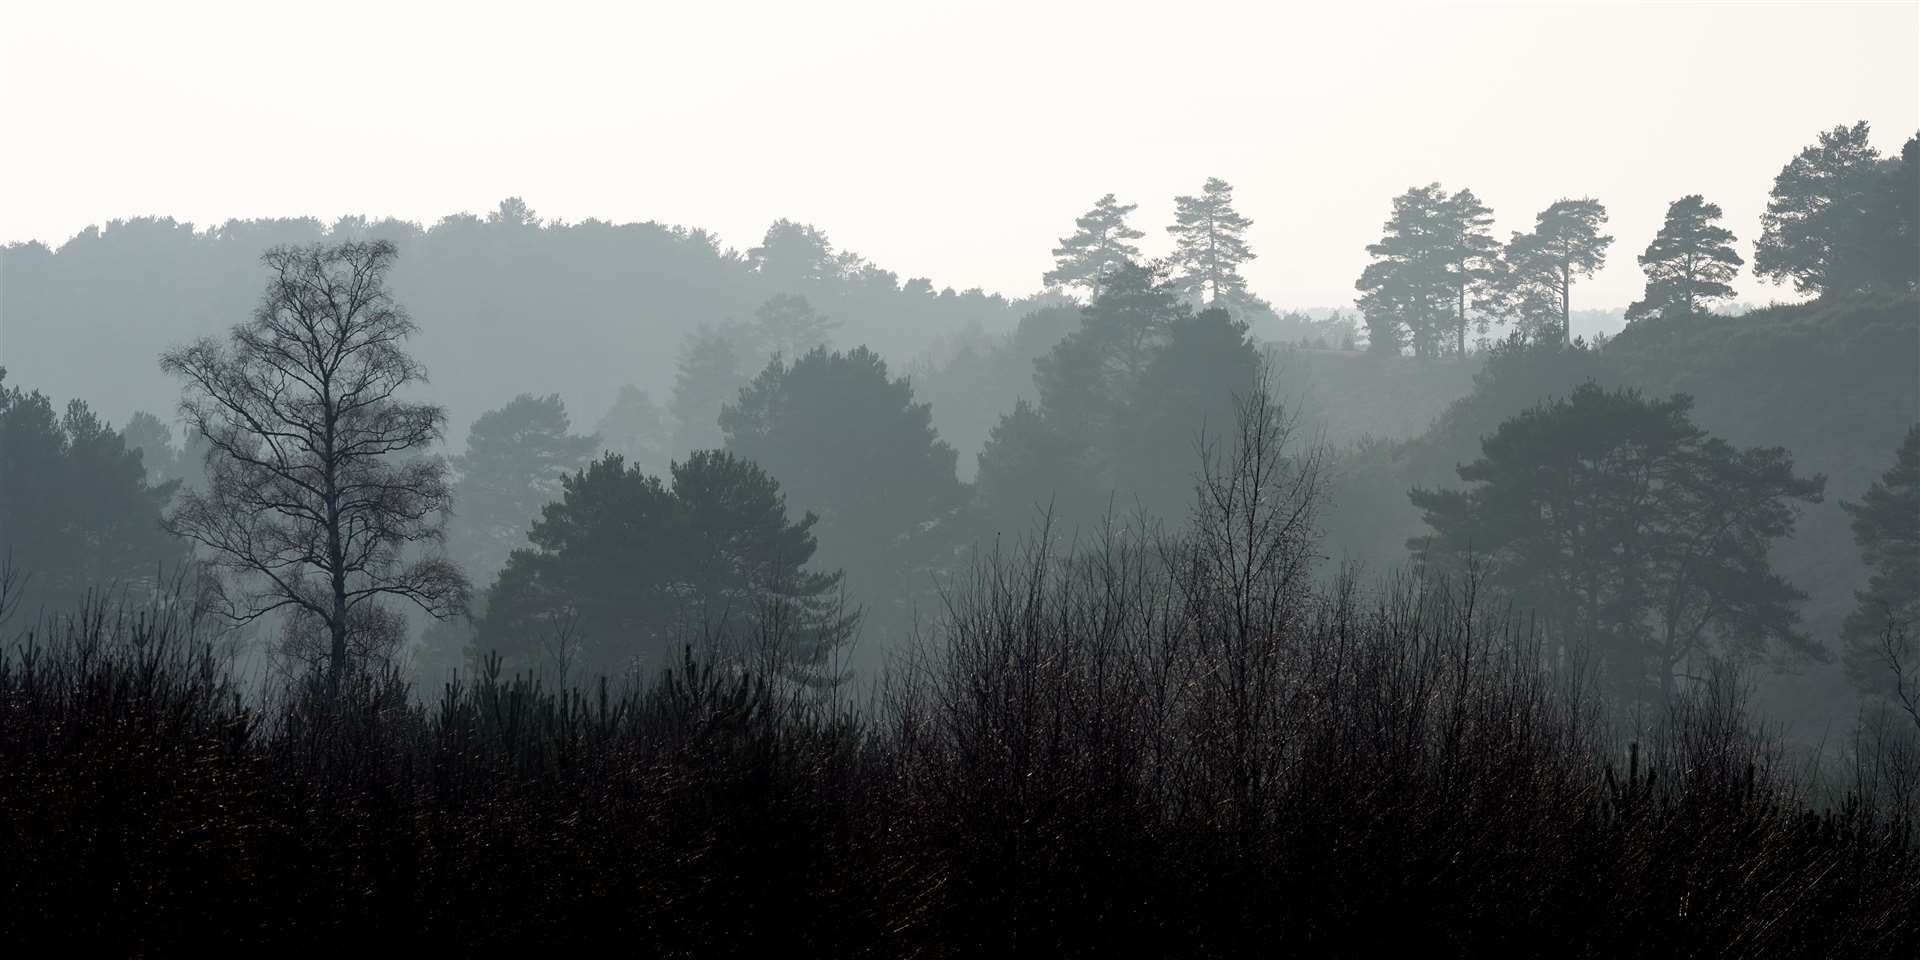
(1092,756)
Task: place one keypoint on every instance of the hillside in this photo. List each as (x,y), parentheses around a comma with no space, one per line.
(505,303)
(1836,382)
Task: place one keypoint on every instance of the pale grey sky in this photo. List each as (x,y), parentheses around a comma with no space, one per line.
(957,141)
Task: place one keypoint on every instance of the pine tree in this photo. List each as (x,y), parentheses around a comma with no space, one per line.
(1536,281)
(853,444)
(1030,473)
(1625,527)
(1209,244)
(1689,261)
(1100,244)
(1817,227)
(788,325)
(708,376)
(1407,292)
(636,428)
(1190,390)
(512,466)
(794,257)
(1472,258)
(1084,380)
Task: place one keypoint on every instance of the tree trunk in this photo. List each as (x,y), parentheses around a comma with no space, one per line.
(337,572)
(1566,305)
(1461,319)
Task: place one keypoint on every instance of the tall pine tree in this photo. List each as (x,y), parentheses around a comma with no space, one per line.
(1818,227)
(1689,261)
(1407,291)
(1536,283)
(1099,245)
(1472,259)
(1210,244)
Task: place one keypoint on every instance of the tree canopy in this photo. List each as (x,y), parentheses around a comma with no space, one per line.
(624,570)
(1690,261)
(636,428)
(1209,238)
(852,444)
(321,498)
(1631,532)
(78,509)
(1840,219)
(708,376)
(1536,284)
(512,466)
(1100,243)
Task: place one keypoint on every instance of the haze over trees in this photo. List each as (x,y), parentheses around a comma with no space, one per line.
(638,429)
(1222,644)
(624,570)
(853,444)
(1633,531)
(512,467)
(1877,633)
(79,510)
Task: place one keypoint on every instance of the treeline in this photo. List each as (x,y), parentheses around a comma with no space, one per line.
(504,298)
(1104,406)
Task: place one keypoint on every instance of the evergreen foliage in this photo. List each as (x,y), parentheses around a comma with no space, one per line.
(1690,261)
(1209,238)
(1100,243)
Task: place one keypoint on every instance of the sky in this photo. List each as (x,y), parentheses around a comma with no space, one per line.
(954,141)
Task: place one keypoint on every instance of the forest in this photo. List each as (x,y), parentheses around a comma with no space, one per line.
(507,580)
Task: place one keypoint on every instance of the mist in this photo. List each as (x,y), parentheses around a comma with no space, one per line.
(856,480)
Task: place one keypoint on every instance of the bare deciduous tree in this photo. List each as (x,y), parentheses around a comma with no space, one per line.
(319,497)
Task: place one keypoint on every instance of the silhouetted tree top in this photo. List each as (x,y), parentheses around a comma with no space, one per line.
(1407,292)
(1210,244)
(1100,243)
(1690,261)
(794,257)
(1838,219)
(1536,284)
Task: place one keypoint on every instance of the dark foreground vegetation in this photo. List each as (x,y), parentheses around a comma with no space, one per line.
(1164,750)
(1185,733)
